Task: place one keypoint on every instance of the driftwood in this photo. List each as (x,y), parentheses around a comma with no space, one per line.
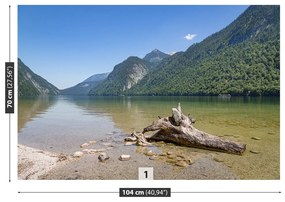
(179,129)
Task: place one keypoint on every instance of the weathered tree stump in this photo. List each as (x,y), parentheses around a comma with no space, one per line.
(179,129)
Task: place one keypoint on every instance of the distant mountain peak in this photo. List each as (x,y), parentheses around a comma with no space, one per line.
(156,51)
(85,86)
(155,57)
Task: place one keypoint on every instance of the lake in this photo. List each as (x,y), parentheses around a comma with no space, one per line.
(61,124)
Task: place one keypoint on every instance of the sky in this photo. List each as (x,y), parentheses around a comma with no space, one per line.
(67,44)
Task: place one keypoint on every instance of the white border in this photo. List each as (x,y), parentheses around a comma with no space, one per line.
(9,191)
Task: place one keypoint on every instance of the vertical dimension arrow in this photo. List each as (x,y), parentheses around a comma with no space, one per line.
(9,90)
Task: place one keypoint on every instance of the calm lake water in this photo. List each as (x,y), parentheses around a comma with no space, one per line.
(62,123)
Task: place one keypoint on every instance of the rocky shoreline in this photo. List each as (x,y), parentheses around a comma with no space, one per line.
(118,161)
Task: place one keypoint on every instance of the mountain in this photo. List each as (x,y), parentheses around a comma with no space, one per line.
(241,59)
(85,86)
(31,84)
(123,77)
(155,57)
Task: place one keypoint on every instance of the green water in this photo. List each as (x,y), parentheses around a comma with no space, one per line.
(61,123)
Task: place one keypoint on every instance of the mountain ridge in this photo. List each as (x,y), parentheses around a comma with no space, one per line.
(123,77)
(31,84)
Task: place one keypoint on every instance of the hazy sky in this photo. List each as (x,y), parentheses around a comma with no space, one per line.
(67,44)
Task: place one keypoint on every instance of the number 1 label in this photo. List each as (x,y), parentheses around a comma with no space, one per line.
(146,173)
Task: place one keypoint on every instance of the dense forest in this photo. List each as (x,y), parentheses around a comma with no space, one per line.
(241,59)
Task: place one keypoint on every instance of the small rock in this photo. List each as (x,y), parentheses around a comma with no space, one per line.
(254,151)
(78,154)
(218,159)
(189,161)
(172,156)
(162,154)
(103,157)
(131,139)
(84,145)
(171,161)
(109,133)
(149,153)
(153,158)
(256,138)
(179,158)
(169,153)
(129,143)
(181,164)
(125,157)
(143,144)
(271,133)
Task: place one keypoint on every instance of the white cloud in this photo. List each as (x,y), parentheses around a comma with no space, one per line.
(189,37)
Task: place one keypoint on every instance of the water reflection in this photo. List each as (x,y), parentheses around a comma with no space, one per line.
(137,112)
(63,127)
(63,123)
(28,108)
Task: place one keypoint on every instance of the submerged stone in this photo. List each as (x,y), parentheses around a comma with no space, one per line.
(171,161)
(129,143)
(218,159)
(149,153)
(153,158)
(131,139)
(182,164)
(172,156)
(254,151)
